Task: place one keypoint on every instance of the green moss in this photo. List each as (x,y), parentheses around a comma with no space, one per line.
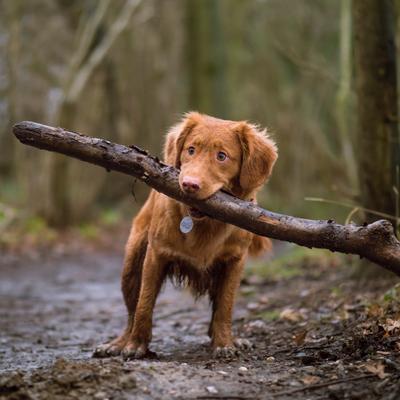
(110,217)
(247,290)
(336,291)
(270,315)
(392,294)
(89,231)
(36,225)
(38,230)
(291,263)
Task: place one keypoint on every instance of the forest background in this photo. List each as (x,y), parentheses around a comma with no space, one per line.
(126,70)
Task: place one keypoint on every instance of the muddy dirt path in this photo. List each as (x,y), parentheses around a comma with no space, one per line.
(55,311)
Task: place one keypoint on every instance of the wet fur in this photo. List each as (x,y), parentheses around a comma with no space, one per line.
(208,260)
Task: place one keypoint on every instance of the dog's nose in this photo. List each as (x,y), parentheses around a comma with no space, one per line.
(190,184)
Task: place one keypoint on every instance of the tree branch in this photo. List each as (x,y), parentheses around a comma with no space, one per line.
(85,37)
(375,241)
(84,73)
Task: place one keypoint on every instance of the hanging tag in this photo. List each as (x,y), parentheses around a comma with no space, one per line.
(186,224)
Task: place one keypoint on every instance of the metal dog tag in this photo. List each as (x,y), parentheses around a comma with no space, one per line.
(186,225)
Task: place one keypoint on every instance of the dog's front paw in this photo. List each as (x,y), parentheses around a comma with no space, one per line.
(243,344)
(135,349)
(110,349)
(225,352)
(232,350)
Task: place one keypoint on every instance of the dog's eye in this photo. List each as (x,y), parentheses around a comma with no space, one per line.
(221,156)
(190,150)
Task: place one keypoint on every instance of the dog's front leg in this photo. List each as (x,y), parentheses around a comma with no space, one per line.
(152,278)
(223,299)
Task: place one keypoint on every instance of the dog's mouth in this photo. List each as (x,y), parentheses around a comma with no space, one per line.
(195,213)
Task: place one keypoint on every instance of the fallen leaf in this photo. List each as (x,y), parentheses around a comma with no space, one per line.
(263,299)
(377,369)
(252,306)
(375,310)
(310,379)
(343,315)
(212,389)
(300,337)
(291,315)
(391,326)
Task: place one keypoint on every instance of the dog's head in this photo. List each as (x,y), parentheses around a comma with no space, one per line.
(215,154)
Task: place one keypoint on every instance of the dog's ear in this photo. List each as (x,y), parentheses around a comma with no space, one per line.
(176,138)
(259,154)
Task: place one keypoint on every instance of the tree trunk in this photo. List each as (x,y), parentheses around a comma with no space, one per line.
(205,49)
(375,241)
(377,138)
(343,96)
(13,13)
(58,212)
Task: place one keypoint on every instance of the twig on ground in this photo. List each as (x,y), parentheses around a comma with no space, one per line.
(323,384)
(293,349)
(228,396)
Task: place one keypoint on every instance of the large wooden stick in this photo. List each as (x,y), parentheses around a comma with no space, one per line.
(375,241)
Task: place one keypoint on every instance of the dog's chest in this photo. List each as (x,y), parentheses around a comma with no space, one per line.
(199,248)
(203,248)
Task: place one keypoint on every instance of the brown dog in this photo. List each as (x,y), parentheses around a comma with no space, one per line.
(212,154)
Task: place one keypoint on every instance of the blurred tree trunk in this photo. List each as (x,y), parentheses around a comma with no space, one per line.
(377,140)
(343,97)
(377,137)
(12,10)
(88,56)
(205,57)
(58,210)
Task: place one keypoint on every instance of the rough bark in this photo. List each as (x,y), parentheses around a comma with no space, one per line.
(375,241)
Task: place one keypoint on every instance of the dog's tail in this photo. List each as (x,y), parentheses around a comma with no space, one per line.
(259,245)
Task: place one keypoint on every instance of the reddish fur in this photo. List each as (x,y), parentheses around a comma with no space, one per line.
(211,257)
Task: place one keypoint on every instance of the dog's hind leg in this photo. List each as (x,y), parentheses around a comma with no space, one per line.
(222,295)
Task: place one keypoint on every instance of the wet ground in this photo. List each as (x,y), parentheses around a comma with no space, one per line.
(316,335)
